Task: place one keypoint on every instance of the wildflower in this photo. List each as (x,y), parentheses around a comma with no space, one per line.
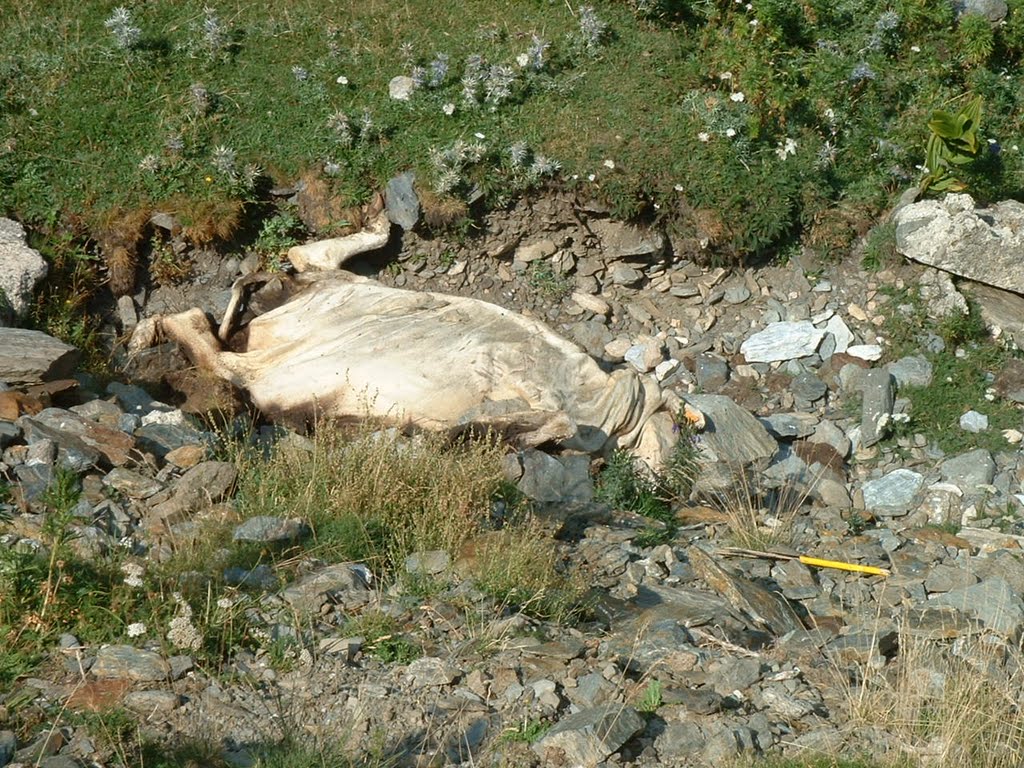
(341,80)
(753,22)
(535,53)
(704,136)
(610,164)
(826,155)
(300,73)
(175,143)
(250,175)
(472,78)
(522,60)
(592,29)
(784,150)
(126,35)
(133,573)
(888,21)
(544,166)
(498,84)
(591,177)
(214,33)
(419,76)
(447,180)
(725,76)
(338,124)
(149,164)
(517,153)
(862,72)
(737,97)
(479,135)
(730,132)
(448,108)
(182,633)
(438,70)
(475,151)
(225,603)
(367,128)
(224,159)
(137,629)
(331,168)
(405,52)
(200,98)
(915,48)
(678,187)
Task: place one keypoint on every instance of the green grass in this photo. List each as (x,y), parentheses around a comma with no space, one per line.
(831,122)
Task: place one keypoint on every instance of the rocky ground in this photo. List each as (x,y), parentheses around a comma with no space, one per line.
(690,657)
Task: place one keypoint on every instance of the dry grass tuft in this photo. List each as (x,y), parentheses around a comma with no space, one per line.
(119,234)
(441,212)
(323,211)
(208,221)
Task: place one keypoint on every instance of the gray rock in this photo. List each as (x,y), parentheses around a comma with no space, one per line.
(9,432)
(946,578)
(591,735)
(876,410)
(591,690)
(940,296)
(993,602)
(625,241)
(974,422)
(114,446)
(623,274)
(733,441)
(269,529)
(536,250)
(207,483)
(827,433)
(72,451)
(712,372)
(546,478)
(808,387)
(151,703)
(679,742)
(127,663)
(782,341)
(21,270)
(161,439)
(787,426)
(34,480)
(993,10)
(430,671)
(954,236)
(736,294)
(969,470)
(645,354)
(132,484)
(430,563)
(401,88)
(8,746)
(912,371)
(261,578)
(309,592)
(865,351)
(136,400)
(32,357)
(127,315)
(401,202)
(1002,311)
(893,493)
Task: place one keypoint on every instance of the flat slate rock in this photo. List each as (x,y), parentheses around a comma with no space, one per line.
(129,663)
(892,493)
(32,357)
(732,441)
(589,736)
(785,340)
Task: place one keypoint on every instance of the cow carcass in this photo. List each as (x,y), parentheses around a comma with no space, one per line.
(348,347)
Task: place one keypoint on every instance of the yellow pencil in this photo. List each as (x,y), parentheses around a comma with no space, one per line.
(843,566)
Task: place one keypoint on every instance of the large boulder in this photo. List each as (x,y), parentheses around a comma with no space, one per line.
(986,245)
(21,269)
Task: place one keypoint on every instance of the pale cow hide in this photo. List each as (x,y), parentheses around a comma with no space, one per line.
(348,347)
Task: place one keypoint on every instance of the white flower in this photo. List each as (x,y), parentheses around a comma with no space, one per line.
(737,97)
(678,187)
(730,132)
(786,149)
(1015,148)
(133,573)
(915,48)
(523,59)
(448,109)
(224,603)
(725,76)
(479,135)
(609,164)
(342,80)
(704,136)
(754,22)
(591,177)
(136,630)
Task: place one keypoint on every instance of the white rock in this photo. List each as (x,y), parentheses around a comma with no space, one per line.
(400,88)
(21,268)
(865,351)
(591,303)
(782,341)
(972,421)
(665,369)
(841,331)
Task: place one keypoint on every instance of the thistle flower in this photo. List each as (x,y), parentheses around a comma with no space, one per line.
(405,53)
(331,168)
(214,33)
(149,164)
(592,29)
(862,72)
(536,52)
(367,128)
(300,73)
(826,157)
(224,159)
(544,166)
(438,70)
(447,180)
(200,98)
(174,143)
(419,76)
(517,153)
(250,174)
(339,126)
(498,85)
(126,35)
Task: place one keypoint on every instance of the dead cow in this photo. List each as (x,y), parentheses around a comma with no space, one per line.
(347,347)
